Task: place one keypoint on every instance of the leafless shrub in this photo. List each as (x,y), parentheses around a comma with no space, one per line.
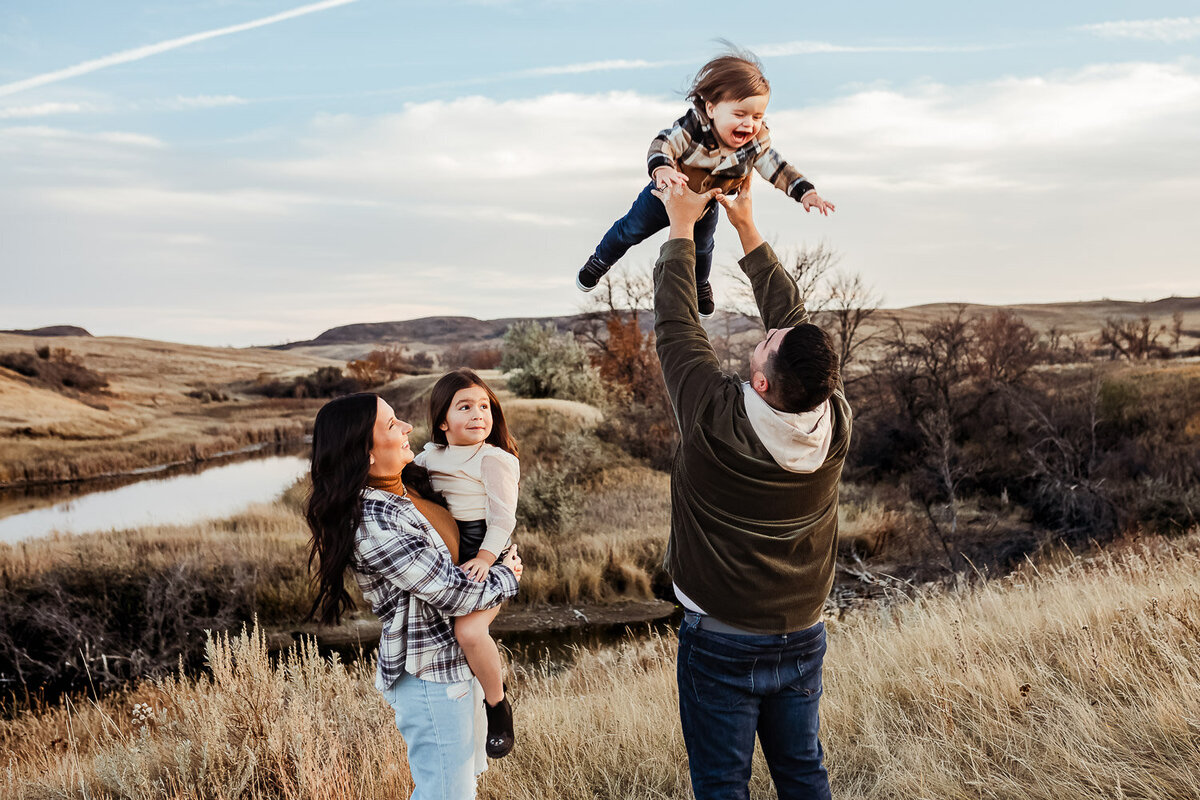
(56,368)
(1133,339)
(481,356)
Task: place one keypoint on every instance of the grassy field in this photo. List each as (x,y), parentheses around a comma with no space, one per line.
(1075,681)
(146,416)
(100,609)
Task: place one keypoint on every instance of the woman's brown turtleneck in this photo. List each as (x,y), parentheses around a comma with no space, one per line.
(438,517)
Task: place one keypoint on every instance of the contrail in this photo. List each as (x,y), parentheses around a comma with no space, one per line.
(138,53)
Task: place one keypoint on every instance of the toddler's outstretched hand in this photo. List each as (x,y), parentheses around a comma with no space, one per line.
(813,200)
(669,178)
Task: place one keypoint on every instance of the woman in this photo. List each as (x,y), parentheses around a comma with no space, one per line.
(365,513)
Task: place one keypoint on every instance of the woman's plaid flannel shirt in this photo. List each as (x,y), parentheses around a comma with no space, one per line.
(406,574)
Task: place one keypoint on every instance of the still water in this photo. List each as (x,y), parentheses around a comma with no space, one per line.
(216,492)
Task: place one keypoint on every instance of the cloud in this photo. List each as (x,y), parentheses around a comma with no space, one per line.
(804,48)
(138,53)
(1169,29)
(1094,105)
(768,50)
(41,136)
(181,103)
(1067,186)
(44,110)
(595,66)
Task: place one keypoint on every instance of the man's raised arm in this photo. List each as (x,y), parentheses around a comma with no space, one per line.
(689,364)
(779,301)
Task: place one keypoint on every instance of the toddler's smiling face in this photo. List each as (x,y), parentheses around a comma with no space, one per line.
(736,122)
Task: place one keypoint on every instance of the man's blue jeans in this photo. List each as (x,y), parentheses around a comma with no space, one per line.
(731,687)
(646,217)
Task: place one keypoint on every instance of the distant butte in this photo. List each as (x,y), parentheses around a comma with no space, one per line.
(52,330)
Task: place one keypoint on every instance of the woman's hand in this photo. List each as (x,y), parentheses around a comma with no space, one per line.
(513,562)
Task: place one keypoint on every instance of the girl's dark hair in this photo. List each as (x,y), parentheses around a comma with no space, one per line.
(342,441)
(443,395)
(733,76)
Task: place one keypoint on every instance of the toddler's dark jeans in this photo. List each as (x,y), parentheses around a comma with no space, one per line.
(733,686)
(646,217)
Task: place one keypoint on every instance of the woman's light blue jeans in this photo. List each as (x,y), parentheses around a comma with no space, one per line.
(444,728)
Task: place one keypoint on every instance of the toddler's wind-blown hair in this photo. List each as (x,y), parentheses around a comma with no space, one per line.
(733,76)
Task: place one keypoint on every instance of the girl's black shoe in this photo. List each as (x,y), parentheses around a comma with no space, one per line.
(500,737)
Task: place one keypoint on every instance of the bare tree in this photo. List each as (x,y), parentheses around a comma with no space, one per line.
(1063,459)
(850,303)
(1176,329)
(621,294)
(807,266)
(1008,348)
(928,373)
(1134,339)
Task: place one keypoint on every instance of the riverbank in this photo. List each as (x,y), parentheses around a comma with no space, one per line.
(119,606)
(164,404)
(1067,682)
(521,620)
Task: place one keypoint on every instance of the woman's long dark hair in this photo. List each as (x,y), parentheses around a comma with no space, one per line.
(342,441)
(443,395)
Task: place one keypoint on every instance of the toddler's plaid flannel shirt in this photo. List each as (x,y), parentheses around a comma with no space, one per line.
(691,147)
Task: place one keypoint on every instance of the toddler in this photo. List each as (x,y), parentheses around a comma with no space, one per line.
(713,146)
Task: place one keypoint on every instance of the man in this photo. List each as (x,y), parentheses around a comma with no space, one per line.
(754,492)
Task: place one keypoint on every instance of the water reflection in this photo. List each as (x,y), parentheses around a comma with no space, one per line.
(216,492)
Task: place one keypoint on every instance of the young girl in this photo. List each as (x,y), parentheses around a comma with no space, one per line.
(472,461)
(713,146)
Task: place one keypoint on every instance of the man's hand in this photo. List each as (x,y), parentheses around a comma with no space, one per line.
(684,207)
(739,208)
(813,200)
(740,211)
(669,177)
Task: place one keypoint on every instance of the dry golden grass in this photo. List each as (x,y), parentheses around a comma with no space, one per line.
(586,415)
(610,550)
(145,418)
(265,534)
(1076,683)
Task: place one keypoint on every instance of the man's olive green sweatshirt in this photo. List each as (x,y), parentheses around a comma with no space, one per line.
(752,543)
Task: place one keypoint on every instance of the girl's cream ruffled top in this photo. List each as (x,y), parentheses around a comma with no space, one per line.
(478,482)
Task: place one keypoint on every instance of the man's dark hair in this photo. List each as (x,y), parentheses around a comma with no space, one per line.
(804,371)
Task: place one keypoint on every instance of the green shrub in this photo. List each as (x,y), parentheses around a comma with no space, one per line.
(544,363)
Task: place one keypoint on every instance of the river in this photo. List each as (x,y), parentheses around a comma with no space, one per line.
(207,491)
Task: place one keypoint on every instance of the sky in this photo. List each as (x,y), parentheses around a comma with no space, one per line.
(241,172)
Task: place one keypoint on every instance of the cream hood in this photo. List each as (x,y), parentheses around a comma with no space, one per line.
(798,442)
